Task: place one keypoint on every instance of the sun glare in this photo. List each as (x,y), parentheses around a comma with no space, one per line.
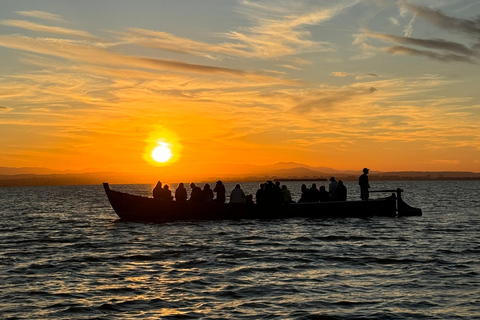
(162,153)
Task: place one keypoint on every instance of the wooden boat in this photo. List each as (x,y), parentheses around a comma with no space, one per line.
(138,208)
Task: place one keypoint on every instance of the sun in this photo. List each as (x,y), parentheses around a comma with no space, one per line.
(162,153)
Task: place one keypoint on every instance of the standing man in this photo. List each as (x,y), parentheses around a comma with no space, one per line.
(363,182)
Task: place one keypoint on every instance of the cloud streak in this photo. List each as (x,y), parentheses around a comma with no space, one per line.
(41,15)
(469,27)
(438,49)
(79,52)
(43,28)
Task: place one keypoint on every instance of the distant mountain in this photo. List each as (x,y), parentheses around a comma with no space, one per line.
(26,170)
(33,176)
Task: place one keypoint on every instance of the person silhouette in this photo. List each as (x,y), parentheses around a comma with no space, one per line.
(364,185)
(158,191)
(181,193)
(220,190)
(207,193)
(237,195)
(331,187)
(340,192)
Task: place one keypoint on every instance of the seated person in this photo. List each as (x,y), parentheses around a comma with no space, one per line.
(237,195)
(181,193)
(207,193)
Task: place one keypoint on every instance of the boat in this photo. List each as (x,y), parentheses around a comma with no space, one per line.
(139,208)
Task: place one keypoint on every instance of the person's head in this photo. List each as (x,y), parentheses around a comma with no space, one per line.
(303,187)
(314,186)
(237,186)
(192,185)
(261,186)
(284,187)
(322,188)
(277,183)
(340,182)
(165,187)
(181,185)
(159,184)
(206,186)
(219,182)
(332,179)
(365,170)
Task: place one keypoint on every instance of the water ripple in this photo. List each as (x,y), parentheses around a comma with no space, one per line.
(65,255)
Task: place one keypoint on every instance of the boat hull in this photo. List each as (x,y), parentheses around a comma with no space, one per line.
(138,208)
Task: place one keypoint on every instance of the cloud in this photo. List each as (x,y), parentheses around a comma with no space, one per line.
(339,74)
(41,15)
(469,27)
(42,28)
(438,44)
(5,109)
(365,75)
(280,30)
(444,57)
(169,42)
(439,49)
(80,52)
(276,32)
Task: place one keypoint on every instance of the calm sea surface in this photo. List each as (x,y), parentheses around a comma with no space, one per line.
(65,255)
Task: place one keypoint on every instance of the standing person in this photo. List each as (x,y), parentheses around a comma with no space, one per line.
(331,187)
(237,195)
(181,193)
(363,182)
(158,191)
(220,190)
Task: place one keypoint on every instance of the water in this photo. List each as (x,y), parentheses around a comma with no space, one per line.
(64,255)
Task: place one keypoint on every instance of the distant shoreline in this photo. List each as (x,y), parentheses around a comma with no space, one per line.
(98,179)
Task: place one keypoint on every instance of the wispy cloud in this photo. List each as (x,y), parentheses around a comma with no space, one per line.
(282,35)
(339,74)
(48,29)
(5,109)
(452,51)
(438,49)
(80,52)
(469,27)
(166,41)
(276,32)
(41,15)
(444,57)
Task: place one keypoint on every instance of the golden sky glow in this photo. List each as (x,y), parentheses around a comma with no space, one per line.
(389,85)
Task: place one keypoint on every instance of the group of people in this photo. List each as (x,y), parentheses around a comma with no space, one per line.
(197,194)
(267,193)
(272,193)
(336,192)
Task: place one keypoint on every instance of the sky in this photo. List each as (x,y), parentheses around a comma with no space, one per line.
(346,84)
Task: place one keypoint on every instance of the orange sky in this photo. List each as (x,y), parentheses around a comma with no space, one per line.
(344,84)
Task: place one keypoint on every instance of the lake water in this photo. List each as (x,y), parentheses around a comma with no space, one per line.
(65,255)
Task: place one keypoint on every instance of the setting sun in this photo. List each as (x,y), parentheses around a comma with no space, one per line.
(162,153)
